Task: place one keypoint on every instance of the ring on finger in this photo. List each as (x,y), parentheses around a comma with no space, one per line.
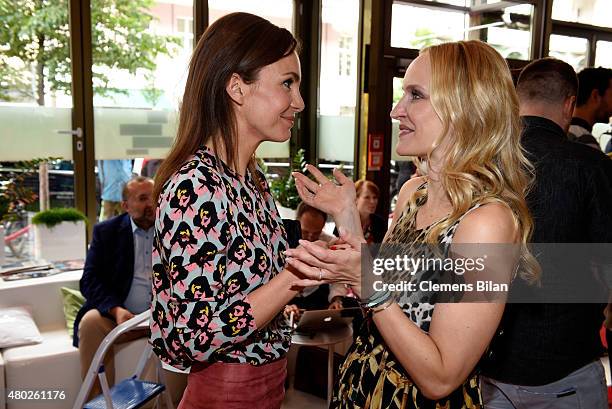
(320,274)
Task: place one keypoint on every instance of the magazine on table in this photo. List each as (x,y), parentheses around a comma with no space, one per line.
(28,265)
(38,268)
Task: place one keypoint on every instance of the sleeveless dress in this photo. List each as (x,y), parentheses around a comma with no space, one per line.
(370,376)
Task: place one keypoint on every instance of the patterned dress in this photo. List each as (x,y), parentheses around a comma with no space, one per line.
(371,377)
(218,237)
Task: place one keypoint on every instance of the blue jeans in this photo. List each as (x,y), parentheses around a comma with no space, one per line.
(584,388)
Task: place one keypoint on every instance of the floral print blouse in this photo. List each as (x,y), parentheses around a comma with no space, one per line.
(217,239)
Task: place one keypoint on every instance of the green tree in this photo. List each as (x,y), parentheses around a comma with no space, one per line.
(14,192)
(424,37)
(283,188)
(34,35)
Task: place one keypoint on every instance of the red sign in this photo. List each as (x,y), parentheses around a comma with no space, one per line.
(375,151)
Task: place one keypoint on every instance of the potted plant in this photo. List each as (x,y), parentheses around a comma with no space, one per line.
(283,188)
(59,234)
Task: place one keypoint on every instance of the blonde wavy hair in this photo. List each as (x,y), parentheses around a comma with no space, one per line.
(473,94)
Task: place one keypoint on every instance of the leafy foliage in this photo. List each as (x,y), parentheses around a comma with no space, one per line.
(34,35)
(14,193)
(55,216)
(283,188)
(425,37)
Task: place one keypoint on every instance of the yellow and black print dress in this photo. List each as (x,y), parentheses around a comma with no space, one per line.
(370,376)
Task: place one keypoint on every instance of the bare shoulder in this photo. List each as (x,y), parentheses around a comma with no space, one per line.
(408,188)
(489,223)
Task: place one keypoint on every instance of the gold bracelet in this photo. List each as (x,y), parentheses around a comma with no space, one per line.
(383,306)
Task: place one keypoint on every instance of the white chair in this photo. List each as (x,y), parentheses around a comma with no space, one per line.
(129,393)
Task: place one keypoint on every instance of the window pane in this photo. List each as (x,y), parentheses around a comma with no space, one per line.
(507,30)
(463,3)
(595,12)
(185,31)
(35,103)
(466,3)
(603,54)
(419,26)
(279,12)
(338,83)
(572,50)
(140,58)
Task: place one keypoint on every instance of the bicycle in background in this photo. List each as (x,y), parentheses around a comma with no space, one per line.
(16,232)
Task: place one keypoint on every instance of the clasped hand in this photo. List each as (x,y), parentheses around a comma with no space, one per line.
(338,264)
(341,262)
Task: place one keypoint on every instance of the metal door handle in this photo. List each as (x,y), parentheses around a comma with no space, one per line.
(78,132)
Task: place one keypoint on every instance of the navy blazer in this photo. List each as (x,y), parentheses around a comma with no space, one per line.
(109,268)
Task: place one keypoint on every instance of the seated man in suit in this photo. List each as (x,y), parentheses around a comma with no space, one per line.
(312,222)
(116,278)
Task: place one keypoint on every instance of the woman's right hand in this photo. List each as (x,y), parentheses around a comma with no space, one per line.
(318,265)
(324,194)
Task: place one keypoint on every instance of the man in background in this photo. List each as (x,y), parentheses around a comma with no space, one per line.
(116,280)
(546,355)
(312,221)
(593,104)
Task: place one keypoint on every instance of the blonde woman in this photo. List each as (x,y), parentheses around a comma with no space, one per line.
(459,112)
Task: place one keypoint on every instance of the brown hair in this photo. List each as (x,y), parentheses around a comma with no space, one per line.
(239,43)
(547,80)
(366,185)
(303,207)
(590,79)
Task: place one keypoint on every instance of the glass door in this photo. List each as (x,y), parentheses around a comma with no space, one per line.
(338,85)
(140,58)
(36,158)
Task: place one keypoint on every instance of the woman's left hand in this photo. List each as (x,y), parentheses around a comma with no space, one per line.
(325,195)
(319,265)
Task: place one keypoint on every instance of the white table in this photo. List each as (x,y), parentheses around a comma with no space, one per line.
(327,339)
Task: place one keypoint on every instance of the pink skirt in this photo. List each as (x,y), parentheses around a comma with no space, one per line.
(235,386)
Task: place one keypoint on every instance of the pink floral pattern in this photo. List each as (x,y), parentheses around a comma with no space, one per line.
(217,239)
